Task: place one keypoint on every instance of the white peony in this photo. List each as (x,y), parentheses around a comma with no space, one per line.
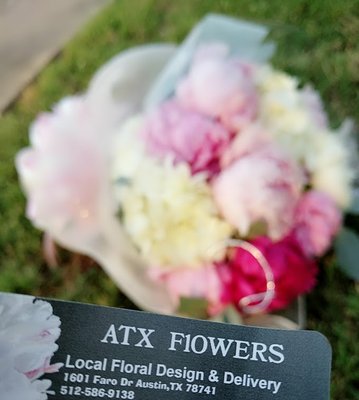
(328,160)
(127,154)
(283,107)
(295,118)
(28,331)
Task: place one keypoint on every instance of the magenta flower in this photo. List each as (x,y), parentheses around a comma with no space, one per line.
(317,220)
(220,87)
(293,273)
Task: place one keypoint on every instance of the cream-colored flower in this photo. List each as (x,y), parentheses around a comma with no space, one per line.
(295,118)
(282,113)
(269,79)
(169,214)
(328,160)
(283,107)
(128,152)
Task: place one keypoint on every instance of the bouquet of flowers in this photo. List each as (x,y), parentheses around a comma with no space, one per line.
(194,172)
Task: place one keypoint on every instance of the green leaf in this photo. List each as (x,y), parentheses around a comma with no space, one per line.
(193,307)
(347,250)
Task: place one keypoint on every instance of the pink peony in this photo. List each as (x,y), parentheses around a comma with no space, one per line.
(252,139)
(294,273)
(261,185)
(317,220)
(63,170)
(187,136)
(193,282)
(220,87)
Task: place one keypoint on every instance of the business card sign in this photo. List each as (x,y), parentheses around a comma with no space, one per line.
(119,354)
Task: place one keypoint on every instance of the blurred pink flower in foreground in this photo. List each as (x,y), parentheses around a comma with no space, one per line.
(62,172)
(28,331)
(294,274)
(317,220)
(261,185)
(219,87)
(186,135)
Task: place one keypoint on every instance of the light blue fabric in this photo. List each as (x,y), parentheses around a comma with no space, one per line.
(244,39)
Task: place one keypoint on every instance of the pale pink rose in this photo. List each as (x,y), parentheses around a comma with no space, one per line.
(185,135)
(317,220)
(259,185)
(63,169)
(220,87)
(203,282)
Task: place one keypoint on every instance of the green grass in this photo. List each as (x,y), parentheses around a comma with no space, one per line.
(317,41)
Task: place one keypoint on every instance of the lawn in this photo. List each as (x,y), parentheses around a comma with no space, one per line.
(317,41)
